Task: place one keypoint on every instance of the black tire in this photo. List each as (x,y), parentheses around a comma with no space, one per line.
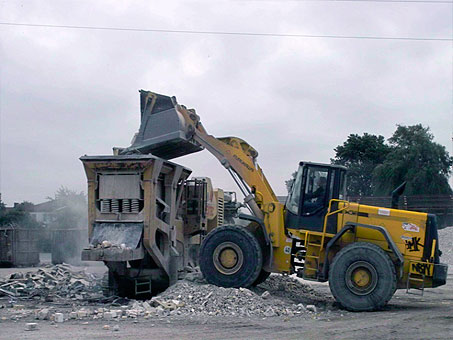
(261,277)
(230,256)
(362,277)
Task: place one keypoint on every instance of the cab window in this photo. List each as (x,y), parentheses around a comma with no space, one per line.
(315,190)
(292,203)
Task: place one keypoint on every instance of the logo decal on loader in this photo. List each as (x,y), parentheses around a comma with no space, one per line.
(248,167)
(414,244)
(411,227)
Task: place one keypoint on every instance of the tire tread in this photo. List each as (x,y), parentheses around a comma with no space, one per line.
(256,250)
(369,248)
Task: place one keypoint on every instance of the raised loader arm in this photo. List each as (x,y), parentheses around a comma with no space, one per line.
(239,158)
(170,130)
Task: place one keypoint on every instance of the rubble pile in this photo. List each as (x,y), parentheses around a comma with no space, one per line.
(197,298)
(51,281)
(191,298)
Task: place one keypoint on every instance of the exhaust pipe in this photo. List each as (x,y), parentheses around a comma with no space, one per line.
(396,195)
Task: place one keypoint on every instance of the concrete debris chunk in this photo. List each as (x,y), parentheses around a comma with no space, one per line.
(301,307)
(117,313)
(195,277)
(138,306)
(58,317)
(270,312)
(311,308)
(106,244)
(147,306)
(32,326)
(108,315)
(160,311)
(82,314)
(266,295)
(44,314)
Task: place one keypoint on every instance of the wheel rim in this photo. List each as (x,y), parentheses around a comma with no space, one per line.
(361,278)
(228,258)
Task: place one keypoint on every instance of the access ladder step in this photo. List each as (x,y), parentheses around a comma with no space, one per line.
(142,286)
(415,279)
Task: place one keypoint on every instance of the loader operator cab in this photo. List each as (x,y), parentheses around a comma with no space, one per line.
(308,201)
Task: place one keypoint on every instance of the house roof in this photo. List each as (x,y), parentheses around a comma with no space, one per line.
(48,206)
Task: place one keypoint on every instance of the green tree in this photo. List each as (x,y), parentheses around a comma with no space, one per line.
(361,155)
(18,216)
(414,157)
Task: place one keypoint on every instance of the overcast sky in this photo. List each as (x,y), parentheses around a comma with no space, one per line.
(69,92)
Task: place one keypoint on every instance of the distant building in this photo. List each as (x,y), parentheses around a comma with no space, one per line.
(45,212)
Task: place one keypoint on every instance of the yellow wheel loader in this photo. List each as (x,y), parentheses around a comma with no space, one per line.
(365,252)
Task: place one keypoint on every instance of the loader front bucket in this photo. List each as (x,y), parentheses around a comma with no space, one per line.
(163,131)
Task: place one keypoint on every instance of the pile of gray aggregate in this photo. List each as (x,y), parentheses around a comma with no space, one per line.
(274,297)
(446,245)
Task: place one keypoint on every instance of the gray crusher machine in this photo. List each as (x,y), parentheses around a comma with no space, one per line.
(136,221)
(146,220)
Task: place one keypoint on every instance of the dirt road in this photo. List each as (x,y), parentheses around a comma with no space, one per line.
(406,317)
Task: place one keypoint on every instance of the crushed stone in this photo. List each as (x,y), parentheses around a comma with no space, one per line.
(278,296)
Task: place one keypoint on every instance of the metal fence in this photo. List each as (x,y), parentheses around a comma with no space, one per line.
(18,246)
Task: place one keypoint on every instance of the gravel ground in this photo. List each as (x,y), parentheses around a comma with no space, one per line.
(407,316)
(281,307)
